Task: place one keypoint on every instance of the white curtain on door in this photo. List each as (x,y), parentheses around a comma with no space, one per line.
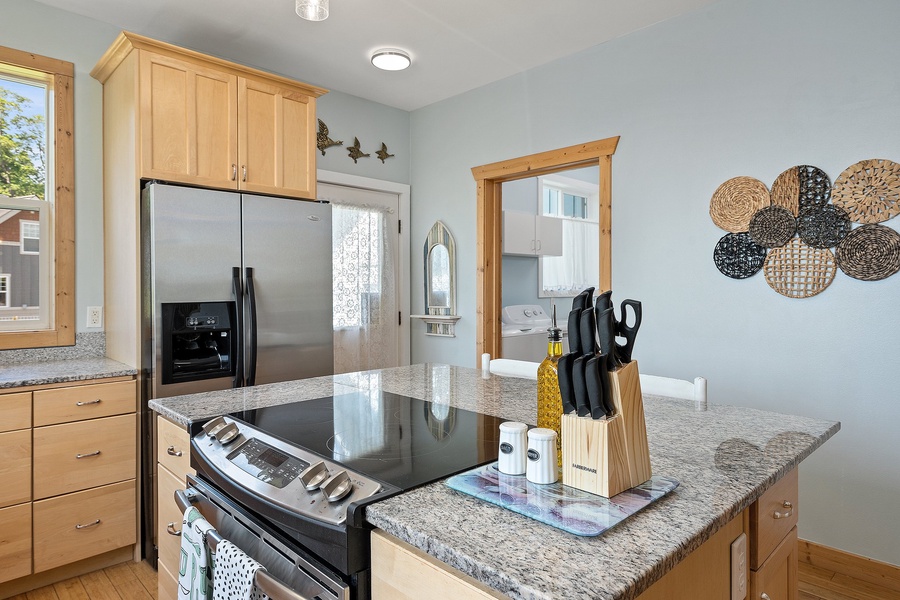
(365,303)
(565,275)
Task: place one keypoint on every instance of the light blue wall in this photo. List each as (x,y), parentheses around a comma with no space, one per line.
(741,87)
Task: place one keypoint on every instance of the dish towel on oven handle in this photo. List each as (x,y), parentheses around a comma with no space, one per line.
(234,574)
(195,573)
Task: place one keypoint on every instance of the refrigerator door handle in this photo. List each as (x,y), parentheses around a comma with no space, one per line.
(238,291)
(251,359)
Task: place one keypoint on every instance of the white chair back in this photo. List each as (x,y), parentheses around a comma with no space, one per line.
(675,388)
(508,367)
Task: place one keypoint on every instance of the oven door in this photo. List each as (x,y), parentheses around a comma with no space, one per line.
(305,577)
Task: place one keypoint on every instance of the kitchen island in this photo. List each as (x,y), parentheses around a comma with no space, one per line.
(726,458)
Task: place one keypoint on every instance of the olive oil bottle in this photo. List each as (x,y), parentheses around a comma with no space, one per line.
(549,401)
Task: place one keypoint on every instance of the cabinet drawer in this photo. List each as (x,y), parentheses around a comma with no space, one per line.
(173,446)
(15,542)
(81,455)
(167,512)
(777,577)
(15,467)
(772,517)
(16,411)
(75,526)
(64,405)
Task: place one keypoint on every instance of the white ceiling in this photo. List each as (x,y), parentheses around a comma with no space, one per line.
(455,45)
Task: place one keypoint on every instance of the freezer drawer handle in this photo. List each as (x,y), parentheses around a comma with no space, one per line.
(171,451)
(97,453)
(79,526)
(265,582)
(784,515)
(170,529)
(97,401)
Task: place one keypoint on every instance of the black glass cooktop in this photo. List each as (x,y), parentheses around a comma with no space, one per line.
(402,441)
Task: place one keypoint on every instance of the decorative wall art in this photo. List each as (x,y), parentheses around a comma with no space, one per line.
(322,139)
(323,142)
(383,153)
(354,152)
(789,233)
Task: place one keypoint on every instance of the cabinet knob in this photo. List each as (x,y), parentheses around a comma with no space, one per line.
(81,403)
(784,515)
(79,526)
(233,172)
(171,451)
(170,529)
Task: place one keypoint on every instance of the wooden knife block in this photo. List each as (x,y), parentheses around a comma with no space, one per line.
(609,456)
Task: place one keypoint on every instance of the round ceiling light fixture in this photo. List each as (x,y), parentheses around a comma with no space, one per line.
(390,59)
(312,10)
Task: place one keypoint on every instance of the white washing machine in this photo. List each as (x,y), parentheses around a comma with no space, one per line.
(524,329)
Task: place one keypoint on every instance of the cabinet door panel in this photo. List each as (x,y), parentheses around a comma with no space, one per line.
(772,517)
(174,447)
(275,139)
(188,122)
(16,411)
(169,545)
(15,542)
(777,577)
(518,233)
(15,467)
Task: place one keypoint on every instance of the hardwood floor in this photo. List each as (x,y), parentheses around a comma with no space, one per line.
(817,583)
(125,581)
(137,581)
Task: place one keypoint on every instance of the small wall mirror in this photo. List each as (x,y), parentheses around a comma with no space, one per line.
(440,282)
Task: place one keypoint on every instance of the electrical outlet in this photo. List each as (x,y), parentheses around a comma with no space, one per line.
(739,568)
(95,316)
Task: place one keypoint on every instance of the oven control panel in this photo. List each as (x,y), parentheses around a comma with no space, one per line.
(282,473)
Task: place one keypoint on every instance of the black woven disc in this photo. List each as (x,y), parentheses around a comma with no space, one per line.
(737,256)
(870,253)
(772,226)
(815,187)
(823,227)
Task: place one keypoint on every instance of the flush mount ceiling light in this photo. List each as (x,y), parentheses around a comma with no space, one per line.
(312,10)
(390,59)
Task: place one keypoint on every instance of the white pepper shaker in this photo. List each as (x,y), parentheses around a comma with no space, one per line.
(541,466)
(513,446)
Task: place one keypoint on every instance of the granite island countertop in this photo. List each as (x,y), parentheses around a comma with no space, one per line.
(61,371)
(724,457)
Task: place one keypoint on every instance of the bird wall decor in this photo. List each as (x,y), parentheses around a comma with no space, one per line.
(383,153)
(322,139)
(354,151)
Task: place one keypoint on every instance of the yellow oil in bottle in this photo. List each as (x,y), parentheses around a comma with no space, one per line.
(549,405)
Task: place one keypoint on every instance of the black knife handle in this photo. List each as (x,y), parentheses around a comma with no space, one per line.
(604,301)
(606,331)
(573,331)
(578,301)
(564,375)
(603,368)
(593,381)
(582,403)
(588,297)
(586,331)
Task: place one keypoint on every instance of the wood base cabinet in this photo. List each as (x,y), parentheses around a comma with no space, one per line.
(173,465)
(15,542)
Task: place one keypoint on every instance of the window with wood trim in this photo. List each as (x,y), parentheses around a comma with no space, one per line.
(37,201)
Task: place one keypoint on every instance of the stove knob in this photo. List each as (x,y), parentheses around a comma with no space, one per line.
(313,475)
(337,487)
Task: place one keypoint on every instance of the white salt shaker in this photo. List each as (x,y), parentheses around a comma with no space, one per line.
(541,466)
(513,445)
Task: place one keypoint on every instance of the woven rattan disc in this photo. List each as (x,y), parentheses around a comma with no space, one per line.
(737,256)
(815,187)
(869,191)
(870,253)
(823,227)
(797,270)
(772,226)
(786,190)
(734,203)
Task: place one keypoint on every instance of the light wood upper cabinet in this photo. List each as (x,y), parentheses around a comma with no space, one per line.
(188,122)
(204,121)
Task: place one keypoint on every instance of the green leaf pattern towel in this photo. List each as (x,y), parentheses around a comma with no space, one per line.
(195,573)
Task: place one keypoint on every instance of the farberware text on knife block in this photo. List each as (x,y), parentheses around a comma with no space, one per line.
(609,456)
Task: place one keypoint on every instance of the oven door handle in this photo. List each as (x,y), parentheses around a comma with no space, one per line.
(264,582)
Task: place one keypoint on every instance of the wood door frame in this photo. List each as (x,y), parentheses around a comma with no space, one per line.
(489,180)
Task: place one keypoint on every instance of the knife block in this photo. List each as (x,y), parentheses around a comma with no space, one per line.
(609,456)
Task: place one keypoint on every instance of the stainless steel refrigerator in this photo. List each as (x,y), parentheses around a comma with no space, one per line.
(237,291)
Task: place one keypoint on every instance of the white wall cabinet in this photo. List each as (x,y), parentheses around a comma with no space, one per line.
(525,234)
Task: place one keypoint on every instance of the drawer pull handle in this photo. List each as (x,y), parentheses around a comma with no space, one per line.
(785,515)
(244,169)
(764,596)
(86,455)
(233,172)
(97,522)
(170,529)
(171,451)
(89,402)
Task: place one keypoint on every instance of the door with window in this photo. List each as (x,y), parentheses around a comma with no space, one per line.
(367,277)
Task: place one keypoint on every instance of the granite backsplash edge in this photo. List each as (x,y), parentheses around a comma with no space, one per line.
(87,345)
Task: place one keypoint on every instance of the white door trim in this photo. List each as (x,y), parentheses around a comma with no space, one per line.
(402,190)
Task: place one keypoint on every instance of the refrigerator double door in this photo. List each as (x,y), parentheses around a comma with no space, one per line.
(197,239)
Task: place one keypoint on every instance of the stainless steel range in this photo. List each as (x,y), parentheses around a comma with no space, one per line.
(304,472)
